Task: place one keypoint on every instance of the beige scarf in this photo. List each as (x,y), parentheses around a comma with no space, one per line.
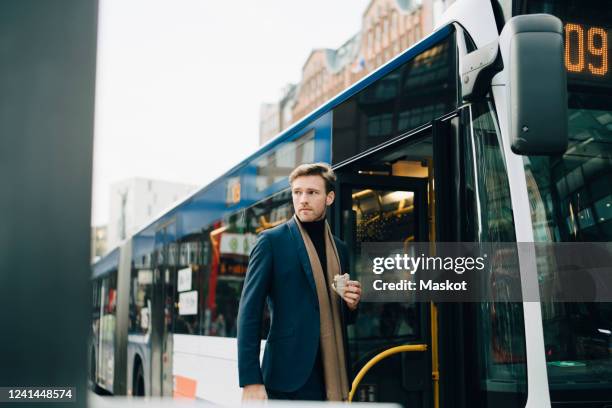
(332,345)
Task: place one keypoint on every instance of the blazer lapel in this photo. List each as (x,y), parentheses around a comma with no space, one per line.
(302,254)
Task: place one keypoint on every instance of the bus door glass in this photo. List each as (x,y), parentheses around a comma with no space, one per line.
(166,261)
(490,356)
(106,347)
(385,198)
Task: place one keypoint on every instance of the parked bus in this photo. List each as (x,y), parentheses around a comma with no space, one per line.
(461,138)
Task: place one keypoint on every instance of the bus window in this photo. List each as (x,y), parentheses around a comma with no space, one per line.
(265,214)
(421,90)
(278,164)
(95,330)
(95,306)
(106,348)
(231,245)
(140,300)
(193,262)
(211,269)
(270,212)
(488,192)
(496,338)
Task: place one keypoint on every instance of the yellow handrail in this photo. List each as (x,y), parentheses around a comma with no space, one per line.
(381,356)
(435,365)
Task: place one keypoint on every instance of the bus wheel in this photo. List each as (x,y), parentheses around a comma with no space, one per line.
(139,388)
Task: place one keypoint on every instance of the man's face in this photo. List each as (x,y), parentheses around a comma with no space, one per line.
(309,198)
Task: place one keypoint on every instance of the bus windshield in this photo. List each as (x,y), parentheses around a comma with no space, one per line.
(571,197)
(571,201)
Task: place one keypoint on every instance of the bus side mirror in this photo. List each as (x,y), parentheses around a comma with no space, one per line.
(477,69)
(534,73)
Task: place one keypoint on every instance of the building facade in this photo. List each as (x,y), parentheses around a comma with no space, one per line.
(269,121)
(274,117)
(388,28)
(134,203)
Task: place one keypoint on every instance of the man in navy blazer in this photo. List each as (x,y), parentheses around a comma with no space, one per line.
(280,272)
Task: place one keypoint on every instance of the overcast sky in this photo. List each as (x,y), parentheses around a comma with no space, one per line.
(180,82)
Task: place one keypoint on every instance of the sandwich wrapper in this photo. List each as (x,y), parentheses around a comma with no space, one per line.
(339,283)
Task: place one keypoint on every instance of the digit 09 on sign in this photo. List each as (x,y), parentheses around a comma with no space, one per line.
(586,49)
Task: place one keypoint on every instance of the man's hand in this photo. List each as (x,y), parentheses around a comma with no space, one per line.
(352,294)
(254,392)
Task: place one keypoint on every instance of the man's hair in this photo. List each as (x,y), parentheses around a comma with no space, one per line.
(315,169)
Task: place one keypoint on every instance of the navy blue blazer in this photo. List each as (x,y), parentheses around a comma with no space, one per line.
(279,270)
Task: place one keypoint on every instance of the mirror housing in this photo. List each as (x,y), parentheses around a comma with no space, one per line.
(477,69)
(532,52)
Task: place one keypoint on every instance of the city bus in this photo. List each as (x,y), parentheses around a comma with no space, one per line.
(496,127)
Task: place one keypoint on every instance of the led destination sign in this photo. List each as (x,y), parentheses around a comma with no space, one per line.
(587,54)
(587,27)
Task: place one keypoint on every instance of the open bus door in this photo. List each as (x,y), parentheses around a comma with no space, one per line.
(164,278)
(388,195)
